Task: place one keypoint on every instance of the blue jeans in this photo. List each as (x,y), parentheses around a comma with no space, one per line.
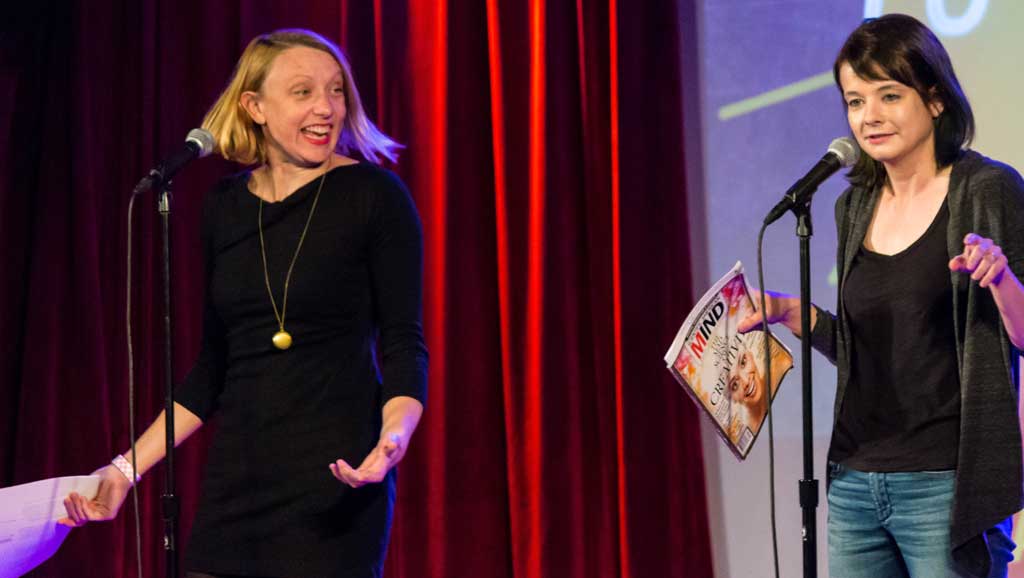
(896,525)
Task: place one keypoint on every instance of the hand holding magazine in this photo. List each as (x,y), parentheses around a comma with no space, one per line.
(722,369)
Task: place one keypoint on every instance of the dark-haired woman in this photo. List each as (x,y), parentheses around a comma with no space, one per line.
(925,458)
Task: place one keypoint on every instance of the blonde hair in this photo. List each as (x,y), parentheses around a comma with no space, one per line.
(238,137)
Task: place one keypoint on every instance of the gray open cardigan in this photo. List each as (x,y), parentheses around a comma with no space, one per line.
(987,198)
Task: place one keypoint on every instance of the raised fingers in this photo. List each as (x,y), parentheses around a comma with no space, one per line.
(976,253)
(982,259)
(958,263)
(972,238)
(994,265)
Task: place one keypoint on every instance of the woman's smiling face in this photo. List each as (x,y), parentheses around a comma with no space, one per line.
(301,107)
(746,385)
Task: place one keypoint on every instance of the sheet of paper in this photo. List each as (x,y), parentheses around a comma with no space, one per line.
(29,532)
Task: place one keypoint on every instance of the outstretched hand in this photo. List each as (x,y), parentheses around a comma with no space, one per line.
(112,491)
(982,258)
(386,455)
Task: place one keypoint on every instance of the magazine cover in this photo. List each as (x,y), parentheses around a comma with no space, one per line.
(723,370)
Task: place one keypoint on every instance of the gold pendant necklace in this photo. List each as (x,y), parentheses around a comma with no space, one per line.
(282,339)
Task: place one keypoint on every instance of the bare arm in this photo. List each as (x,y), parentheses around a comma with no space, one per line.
(1009,297)
(401,416)
(150,448)
(114,486)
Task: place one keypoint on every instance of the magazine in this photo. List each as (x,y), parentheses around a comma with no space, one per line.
(723,370)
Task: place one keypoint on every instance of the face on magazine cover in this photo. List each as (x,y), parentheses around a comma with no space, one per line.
(746,383)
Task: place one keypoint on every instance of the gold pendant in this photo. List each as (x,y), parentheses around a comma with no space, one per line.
(282,340)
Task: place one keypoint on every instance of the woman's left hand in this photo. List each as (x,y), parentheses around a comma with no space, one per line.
(389,451)
(982,258)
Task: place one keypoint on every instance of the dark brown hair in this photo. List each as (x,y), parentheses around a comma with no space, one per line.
(901,48)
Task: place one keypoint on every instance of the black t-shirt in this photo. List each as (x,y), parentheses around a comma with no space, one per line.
(902,406)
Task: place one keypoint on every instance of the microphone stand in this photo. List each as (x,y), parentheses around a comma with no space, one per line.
(808,486)
(198,144)
(169,501)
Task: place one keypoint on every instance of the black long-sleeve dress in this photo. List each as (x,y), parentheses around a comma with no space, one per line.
(269,504)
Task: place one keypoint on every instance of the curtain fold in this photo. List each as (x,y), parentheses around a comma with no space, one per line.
(544,149)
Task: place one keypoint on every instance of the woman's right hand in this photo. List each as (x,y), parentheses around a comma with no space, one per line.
(113,489)
(781,308)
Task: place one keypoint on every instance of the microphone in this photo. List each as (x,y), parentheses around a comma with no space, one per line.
(842,153)
(198,144)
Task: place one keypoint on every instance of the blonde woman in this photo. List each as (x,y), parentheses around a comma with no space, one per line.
(310,257)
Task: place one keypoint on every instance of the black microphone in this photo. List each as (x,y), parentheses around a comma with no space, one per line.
(198,144)
(842,153)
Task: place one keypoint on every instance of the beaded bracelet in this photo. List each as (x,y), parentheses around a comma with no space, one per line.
(126,468)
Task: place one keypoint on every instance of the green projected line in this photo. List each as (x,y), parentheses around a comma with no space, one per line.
(781,94)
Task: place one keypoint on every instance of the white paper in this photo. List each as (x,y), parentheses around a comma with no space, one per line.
(29,532)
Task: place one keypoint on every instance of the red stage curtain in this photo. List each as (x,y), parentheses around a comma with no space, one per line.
(545,152)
